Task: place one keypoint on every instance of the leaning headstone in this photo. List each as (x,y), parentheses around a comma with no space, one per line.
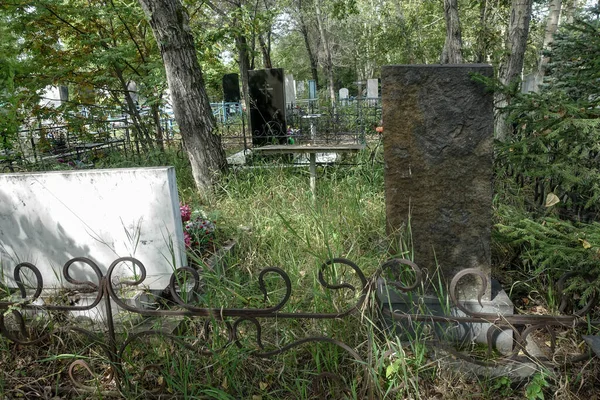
(49,218)
(290,90)
(372,88)
(267,106)
(231,88)
(438,172)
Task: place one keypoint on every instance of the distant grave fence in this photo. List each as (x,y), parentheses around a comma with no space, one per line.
(76,142)
(20,315)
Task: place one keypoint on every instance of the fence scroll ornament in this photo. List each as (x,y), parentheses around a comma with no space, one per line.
(116,346)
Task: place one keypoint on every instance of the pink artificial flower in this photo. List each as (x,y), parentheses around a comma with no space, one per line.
(186,212)
(187,239)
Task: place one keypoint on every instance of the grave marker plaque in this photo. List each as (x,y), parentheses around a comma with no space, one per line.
(267,106)
(438,164)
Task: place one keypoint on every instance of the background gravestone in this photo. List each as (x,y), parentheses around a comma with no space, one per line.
(267,106)
(372,88)
(290,90)
(343,95)
(312,89)
(300,89)
(231,88)
(438,164)
(63,94)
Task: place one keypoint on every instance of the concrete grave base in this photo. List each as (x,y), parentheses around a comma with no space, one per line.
(461,333)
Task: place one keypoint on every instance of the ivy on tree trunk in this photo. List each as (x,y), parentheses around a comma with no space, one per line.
(169,22)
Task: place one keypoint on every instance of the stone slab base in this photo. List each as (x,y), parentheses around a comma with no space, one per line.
(459,333)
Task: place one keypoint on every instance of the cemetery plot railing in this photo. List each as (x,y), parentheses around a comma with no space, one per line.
(185,284)
(573,317)
(184,289)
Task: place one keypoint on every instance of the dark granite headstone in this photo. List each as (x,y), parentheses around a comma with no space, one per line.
(438,135)
(267,106)
(231,88)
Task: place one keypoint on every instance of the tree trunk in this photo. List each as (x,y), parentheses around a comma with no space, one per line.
(244,63)
(265,48)
(158,130)
(140,133)
(512,66)
(169,22)
(311,55)
(569,11)
(481,43)
(551,28)
(328,58)
(452,52)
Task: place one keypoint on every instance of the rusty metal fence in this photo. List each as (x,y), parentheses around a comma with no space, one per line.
(19,308)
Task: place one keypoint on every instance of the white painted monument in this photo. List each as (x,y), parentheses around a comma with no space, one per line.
(49,218)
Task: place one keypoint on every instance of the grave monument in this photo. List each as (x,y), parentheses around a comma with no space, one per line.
(267,106)
(343,95)
(372,88)
(231,88)
(290,91)
(48,218)
(438,178)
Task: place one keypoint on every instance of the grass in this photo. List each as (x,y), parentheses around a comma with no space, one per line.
(271,214)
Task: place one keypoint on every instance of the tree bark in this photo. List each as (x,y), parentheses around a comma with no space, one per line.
(241,43)
(311,55)
(551,28)
(512,66)
(452,52)
(265,48)
(169,22)
(328,58)
(481,44)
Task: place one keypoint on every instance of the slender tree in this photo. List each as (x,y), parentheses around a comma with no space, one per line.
(551,28)
(512,65)
(169,22)
(328,62)
(452,53)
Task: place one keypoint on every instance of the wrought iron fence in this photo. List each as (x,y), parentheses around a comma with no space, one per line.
(17,321)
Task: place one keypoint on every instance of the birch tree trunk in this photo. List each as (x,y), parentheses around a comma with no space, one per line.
(241,43)
(328,58)
(512,65)
(169,22)
(452,53)
(551,28)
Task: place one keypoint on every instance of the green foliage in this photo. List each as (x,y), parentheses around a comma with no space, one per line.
(548,171)
(535,388)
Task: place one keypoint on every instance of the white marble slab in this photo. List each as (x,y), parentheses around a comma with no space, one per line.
(48,218)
